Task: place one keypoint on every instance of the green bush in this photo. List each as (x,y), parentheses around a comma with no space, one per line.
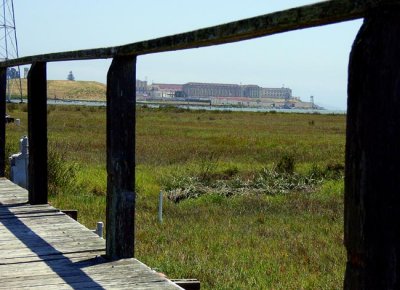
(286,164)
(331,171)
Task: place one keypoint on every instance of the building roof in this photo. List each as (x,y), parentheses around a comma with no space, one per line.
(169,87)
(238,99)
(210,84)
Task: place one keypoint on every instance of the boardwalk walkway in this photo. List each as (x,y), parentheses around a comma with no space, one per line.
(42,248)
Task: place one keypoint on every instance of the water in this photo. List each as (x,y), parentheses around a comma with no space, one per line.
(77,103)
(246,109)
(193,107)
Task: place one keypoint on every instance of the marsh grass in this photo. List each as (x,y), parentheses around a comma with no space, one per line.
(279,179)
(62,174)
(290,240)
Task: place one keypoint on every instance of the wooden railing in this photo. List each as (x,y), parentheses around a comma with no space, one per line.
(326,12)
(372,192)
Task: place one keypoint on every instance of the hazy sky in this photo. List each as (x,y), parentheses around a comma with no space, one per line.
(310,62)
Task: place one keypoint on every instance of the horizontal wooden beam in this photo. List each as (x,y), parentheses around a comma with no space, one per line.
(322,13)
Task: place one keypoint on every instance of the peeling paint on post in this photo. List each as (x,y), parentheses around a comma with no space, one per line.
(121,103)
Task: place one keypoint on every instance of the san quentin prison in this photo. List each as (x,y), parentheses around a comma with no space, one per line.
(222,94)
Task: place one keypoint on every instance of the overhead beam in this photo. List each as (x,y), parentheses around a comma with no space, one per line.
(322,13)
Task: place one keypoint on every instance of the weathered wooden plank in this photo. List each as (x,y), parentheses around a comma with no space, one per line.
(37,124)
(121,104)
(81,282)
(25,253)
(3,93)
(59,242)
(64,267)
(43,229)
(46,272)
(93,265)
(42,249)
(20,208)
(25,213)
(71,256)
(15,199)
(42,226)
(323,13)
(48,249)
(101,271)
(372,200)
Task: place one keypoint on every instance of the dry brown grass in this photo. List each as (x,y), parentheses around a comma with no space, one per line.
(69,90)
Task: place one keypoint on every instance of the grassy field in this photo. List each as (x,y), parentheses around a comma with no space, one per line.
(260,194)
(64,89)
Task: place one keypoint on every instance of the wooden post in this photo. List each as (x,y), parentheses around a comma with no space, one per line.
(121,102)
(37,133)
(3,92)
(372,182)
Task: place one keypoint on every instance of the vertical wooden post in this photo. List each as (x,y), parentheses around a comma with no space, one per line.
(372,182)
(37,133)
(121,102)
(3,92)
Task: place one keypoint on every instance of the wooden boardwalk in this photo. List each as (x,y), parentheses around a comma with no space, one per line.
(42,248)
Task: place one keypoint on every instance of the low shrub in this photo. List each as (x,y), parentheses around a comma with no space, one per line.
(280,179)
(286,164)
(267,181)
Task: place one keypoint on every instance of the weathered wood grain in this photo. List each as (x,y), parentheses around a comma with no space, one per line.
(121,106)
(326,12)
(372,200)
(42,248)
(3,95)
(37,133)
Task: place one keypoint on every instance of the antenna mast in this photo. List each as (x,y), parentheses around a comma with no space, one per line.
(9,47)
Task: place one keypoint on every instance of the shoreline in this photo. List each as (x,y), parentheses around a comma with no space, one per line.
(191,106)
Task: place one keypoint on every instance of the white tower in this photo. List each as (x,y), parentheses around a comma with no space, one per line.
(9,47)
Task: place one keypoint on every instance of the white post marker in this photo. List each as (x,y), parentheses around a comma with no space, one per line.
(160,205)
(99,229)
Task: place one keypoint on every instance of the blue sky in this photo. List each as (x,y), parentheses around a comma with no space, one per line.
(310,62)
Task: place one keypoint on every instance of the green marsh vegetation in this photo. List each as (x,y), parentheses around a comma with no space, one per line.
(251,200)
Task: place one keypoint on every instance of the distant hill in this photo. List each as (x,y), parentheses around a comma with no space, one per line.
(60,89)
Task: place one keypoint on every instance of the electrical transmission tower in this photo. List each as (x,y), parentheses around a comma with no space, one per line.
(9,47)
